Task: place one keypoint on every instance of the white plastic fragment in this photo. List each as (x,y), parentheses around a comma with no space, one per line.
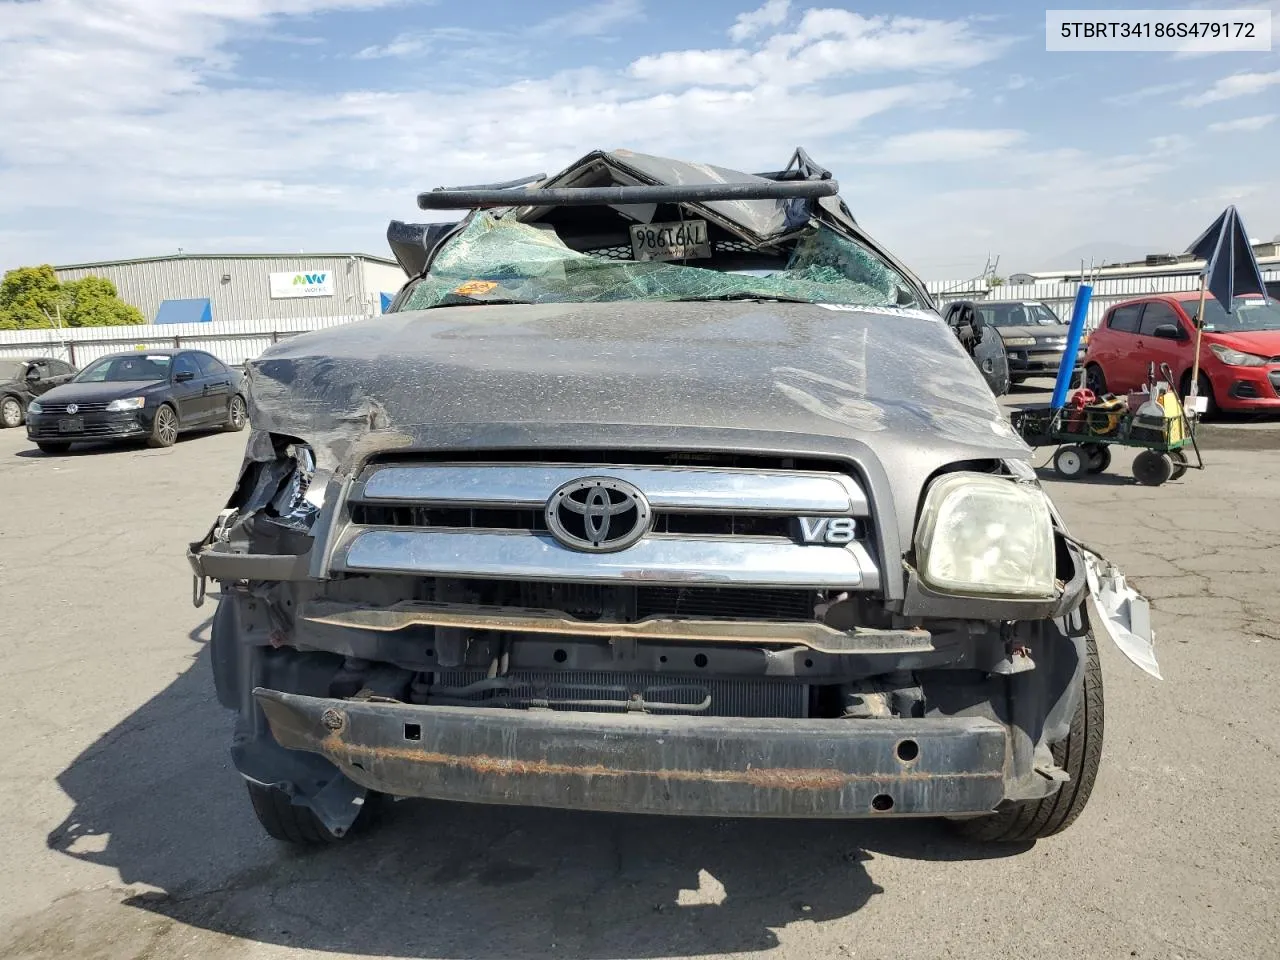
(1123,613)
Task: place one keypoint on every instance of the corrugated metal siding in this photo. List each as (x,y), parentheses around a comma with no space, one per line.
(246,294)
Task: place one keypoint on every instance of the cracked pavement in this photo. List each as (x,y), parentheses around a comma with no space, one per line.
(127,834)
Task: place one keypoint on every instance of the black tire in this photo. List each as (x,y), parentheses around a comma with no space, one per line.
(1018,380)
(11,413)
(1099,455)
(1095,380)
(285,820)
(1079,754)
(1071,462)
(1180,464)
(52,447)
(236,415)
(1205,390)
(1151,468)
(164,428)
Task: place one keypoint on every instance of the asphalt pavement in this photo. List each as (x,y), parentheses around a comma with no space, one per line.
(126,833)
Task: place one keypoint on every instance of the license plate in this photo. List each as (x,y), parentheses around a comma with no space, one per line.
(684,240)
(71,425)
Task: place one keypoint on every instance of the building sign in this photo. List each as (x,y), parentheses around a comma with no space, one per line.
(305,283)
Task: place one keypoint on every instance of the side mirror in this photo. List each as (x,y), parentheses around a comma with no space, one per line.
(1167,331)
(182,376)
(33,376)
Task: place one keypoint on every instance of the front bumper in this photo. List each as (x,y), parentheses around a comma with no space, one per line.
(645,763)
(91,426)
(1038,360)
(1246,388)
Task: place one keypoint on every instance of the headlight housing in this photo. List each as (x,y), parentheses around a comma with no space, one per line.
(986,536)
(34,407)
(1237,358)
(128,403)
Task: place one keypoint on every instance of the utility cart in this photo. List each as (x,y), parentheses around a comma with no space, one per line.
(1085,429)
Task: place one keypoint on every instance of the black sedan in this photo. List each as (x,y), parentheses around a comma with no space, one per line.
(152,395)
(23,380)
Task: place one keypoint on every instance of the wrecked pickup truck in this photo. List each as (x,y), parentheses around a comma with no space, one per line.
(660,488)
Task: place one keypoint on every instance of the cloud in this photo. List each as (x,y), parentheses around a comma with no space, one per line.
(827,44)
(592,20)
(144,123)
(417,43)
(1236,85)
(772,14)
(1146,93)
(944,145)
(1243,124)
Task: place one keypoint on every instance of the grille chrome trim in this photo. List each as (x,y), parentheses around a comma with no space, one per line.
(684,489)
(814,635)
(654,560)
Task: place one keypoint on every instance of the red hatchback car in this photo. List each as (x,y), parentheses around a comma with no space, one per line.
(1239,354)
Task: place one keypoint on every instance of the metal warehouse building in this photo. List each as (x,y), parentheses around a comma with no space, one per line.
(193,288)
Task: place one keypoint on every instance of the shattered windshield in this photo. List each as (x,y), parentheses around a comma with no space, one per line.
(505,261)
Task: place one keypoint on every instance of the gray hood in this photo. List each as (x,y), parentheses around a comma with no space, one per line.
(889,389)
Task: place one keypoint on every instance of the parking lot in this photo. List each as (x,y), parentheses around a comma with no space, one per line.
(127,834)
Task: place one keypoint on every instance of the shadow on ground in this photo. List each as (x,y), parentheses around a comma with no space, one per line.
(103,447)
(156,800)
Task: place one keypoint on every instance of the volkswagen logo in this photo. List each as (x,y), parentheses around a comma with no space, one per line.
(73,408)
(598,514)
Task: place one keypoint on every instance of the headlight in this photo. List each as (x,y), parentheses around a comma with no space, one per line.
(1235,358)
(980,534)
(34,407)
(129,403)
(1020,341)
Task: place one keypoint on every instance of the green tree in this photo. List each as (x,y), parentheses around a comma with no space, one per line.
(30,297)
(94,302)
(33,297)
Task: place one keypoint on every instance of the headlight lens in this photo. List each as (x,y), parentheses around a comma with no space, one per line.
(1019,341)
(34,407)
(980,534)
(1236,358)
(129,403)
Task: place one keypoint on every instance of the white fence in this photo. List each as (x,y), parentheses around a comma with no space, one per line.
(1061,297)
(235,341)
(231,341)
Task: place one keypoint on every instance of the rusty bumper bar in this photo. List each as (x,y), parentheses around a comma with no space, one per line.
(643,763)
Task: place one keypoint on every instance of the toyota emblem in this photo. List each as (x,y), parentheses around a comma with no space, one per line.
(73,408)
(598,514)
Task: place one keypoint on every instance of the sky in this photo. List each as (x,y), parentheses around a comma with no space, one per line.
(133,128)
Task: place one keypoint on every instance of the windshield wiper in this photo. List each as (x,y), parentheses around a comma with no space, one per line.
(479,302)
(762,297)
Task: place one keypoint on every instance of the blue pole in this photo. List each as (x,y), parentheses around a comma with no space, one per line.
(1078,315)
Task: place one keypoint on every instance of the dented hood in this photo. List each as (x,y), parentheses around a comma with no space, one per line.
(893,385)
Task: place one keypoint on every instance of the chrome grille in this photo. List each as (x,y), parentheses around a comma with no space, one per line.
(88,406)
(713,526)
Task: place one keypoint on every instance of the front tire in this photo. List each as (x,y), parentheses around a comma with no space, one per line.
(10,412)
(164,428)
(236,415)
(1095,381)
(287,821)
(1080,754)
